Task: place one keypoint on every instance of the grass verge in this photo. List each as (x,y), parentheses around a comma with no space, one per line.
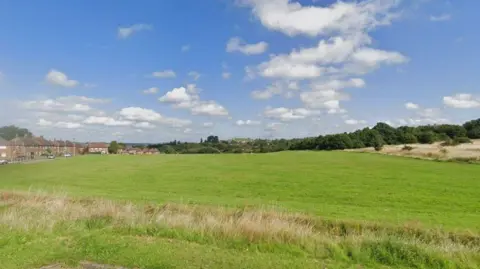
(38,229)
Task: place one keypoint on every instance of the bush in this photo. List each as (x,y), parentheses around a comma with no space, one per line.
(407,148)
(444,151)
(462,140)
(378,147)
(427,137)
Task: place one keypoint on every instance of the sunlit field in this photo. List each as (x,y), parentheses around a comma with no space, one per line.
(282,210)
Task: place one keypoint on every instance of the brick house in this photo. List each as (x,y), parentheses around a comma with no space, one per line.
(98,147)
(4,149)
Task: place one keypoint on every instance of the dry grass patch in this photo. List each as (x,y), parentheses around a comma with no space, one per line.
(36,212)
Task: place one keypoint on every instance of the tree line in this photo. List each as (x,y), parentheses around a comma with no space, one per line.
(378,136)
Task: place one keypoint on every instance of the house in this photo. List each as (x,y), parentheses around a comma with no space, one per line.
(152,151)
(4,149)
(97,147)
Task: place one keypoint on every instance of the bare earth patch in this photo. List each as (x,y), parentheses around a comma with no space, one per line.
(431,151)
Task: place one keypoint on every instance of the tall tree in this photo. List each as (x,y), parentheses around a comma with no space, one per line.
(12,131)
(113,148)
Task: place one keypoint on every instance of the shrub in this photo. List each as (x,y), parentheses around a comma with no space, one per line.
(378,147)
(462,140)
(427,137)
(407,148)
(444,151)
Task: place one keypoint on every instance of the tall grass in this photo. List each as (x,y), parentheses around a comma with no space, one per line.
(264,230)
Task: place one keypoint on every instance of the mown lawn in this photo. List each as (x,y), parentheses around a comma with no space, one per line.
(334,185)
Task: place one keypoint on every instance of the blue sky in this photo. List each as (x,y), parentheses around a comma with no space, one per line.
(149,71)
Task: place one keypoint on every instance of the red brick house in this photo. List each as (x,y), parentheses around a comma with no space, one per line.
(97,147)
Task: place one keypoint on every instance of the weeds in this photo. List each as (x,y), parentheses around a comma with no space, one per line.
(260,229)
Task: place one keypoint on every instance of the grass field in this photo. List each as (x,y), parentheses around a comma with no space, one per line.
(283,210)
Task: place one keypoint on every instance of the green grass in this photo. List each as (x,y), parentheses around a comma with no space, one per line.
(357,209)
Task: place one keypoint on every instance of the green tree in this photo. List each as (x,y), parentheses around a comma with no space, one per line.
(12,131)
(426,137)
(113,148)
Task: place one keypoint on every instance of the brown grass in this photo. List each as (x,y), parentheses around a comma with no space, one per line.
(39,212)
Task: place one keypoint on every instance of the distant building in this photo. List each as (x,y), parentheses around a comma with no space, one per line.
(4,149)
(98,147)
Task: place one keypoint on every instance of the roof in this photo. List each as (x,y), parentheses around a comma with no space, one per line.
(98,145)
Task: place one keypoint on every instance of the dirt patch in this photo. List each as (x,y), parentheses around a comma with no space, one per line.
(431,151)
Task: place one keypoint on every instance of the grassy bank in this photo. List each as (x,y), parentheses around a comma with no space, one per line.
(37,230)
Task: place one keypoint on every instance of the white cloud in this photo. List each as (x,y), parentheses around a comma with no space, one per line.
(237,44)
(208,124)
(337,55)
(226,75)
(188,98)
(271,90)
(327,99)
(291,18)
(82,99)
(164,74)
(152,90)
(247,123)
(60,124)
(144,125)
(288,114)
(195,75)
(58,78)
(185,48)
(411,106)
(125,32)
(462,100)
(65,104)
(210,108)
(372,58)
(177,95)
(140,115)
(334,85)
(443,17)
(51,105)
(107,121)
(355,122)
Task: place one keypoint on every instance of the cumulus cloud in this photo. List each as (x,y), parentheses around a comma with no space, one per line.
(139,115)
(152,90)
(462,100)
(188,98)
(293,18)
(58,78)
(125,32)
(60,124)
(247,122)
(164,74)
(107,121)
(235,44)
(337,55)
(411,106)
(208,124)
(288,114)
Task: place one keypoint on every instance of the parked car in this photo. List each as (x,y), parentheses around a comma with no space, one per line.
(51,156)
(2,162)
(67,155)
